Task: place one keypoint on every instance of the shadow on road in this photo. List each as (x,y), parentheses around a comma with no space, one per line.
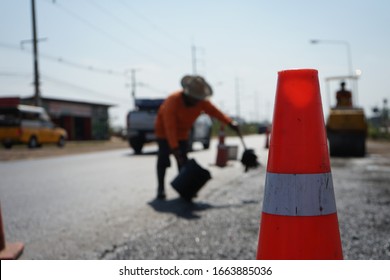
(180,207)
(144,154)
(189,210)
(154,153)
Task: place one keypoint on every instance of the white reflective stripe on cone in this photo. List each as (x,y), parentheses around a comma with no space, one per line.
(299,194)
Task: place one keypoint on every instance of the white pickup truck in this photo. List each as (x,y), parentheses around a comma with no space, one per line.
(140,126)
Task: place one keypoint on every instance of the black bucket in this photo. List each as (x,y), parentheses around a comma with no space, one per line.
(249,159)
(191,178)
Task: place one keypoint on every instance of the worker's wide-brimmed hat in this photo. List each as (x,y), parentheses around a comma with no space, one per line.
(196,87)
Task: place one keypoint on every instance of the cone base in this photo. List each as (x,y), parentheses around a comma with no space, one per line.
(299,238)
(222,156)
(12,251)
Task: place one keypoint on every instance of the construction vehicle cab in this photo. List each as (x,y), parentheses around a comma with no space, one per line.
(346,125)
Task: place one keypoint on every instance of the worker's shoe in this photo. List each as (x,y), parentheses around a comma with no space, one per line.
(161,195)
(187,199)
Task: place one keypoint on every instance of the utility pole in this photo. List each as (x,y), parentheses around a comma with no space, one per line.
(256,102)
(133,83)
(237,99)
(340,42)
(133,72)
(37,93)
(193,50)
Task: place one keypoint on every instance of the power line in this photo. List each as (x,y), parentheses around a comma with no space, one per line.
(106,34)
(84,67)
(67,61)
(126,25)
(15,74)
(81,88)
(62,83)
(152,24)
(157,90)
(117,19)
(71,64)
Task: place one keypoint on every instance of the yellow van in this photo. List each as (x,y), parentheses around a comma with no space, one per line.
(28,125)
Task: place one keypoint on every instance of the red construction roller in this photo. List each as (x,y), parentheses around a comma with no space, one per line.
(299,217)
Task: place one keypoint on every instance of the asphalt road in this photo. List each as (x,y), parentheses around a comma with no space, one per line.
(101,206)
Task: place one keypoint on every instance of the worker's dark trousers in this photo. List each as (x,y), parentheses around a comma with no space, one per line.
(163,161)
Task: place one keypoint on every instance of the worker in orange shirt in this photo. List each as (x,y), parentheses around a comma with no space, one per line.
(174,121)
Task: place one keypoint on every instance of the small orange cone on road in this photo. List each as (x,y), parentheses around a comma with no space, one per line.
(299,217)
(267,132)
(222,149)
(8,251)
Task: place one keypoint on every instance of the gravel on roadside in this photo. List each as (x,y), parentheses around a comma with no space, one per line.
(19,152)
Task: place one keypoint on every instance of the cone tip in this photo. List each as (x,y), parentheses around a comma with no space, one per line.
(298,71)
(298,143)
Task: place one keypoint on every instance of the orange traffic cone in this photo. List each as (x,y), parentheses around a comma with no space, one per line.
(299,217)
(8,251)
(222,152)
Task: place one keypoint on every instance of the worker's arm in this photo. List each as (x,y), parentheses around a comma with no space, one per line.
(213,111)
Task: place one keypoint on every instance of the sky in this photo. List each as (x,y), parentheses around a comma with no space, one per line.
(88,49)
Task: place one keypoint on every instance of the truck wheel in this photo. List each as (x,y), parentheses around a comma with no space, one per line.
(206,142)
(136,143)
(61,142)
(33,142)
(7,145)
